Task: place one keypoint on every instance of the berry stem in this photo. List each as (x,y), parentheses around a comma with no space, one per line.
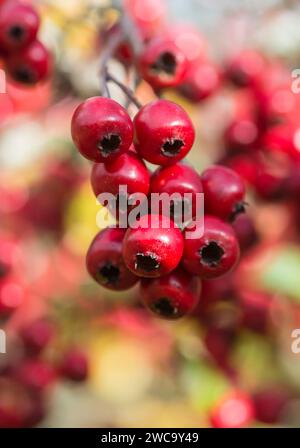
(128,92)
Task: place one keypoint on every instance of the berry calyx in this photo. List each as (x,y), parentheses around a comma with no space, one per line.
(171,296)
(164,133)
(101,129)
(154,247)
(210,250)
(105,263)
(224,192)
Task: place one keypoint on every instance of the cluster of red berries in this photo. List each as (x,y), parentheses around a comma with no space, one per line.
(169,262)
(25,58)
(26,378)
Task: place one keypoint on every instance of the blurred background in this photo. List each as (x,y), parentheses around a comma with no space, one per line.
(118,365)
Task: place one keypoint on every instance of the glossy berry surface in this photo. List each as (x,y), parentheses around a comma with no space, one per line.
(37,335)
(178,179)
(101,129)
(105,263)
(162,64)
(154,248)
(224,192)
(29,65)
(234,411)
(171,296)
(19,25)
(74,365)
(164,133)
(212,250)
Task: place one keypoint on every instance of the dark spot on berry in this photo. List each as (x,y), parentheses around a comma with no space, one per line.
(172,147)
(211,254)
(239,78)
(109,143)
(239,208)
(3,270)
(163,307)
(166,63)
(24,75)
(147,263)
(16,32)
(109,274)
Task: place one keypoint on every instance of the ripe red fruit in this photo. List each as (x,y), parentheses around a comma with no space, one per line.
(224,192)
(234,411)
(148,15)
(178,178)
(246,68)
(29,65)
(101,129)
(19,24)
(164,133)
(245,231)
(201,80)
(171,296)
(74,365)
(127,170)
(105,262)
(269,404)
(37,335)
(210,251)
(242,134)
(35,374)
(154,247)
(9,255)
(12,294)
(162,64)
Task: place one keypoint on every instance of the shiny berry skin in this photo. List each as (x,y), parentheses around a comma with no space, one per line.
(19,24)
(201,80)
(37,335)
(234,411)
(154,248)
(178,178)
(211,251)
(171,296)
(74,365)
(101,129)
(164,133)
(162,64)
(224,192)
(246,68)
(245,231)
(29,65)
(127,170)
(105,263)
(35,374)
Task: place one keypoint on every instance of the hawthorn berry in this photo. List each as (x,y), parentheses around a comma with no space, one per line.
(245,231)
(224,192)
(171,296)
(74,365)
(242,134)
(188,39)
(29,65)
(154,246)
(19,24)
(35,374)
(246,68)
(269,403)
(164,133)
(210,250)
(235,410)
(36,335)
(105,263)
(12,294)
(177,179)
(101,129)
(162,64)
(201,80)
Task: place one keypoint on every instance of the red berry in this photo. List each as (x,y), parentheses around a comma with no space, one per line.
(188,39)
(9,254)
(12,295)
(29,65)
(234,411)
(148,15)
(19,24)
(201,80)
(105,262)
(164,133)
(210,251)
(245,231)
(101,129)
(171,296)
(224,192)
(35,374)
(37,335)
(241,134)
(154,247)
(178,178)
(74,365)
(127,170)
(269,404)
(246,68)
(162,64)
